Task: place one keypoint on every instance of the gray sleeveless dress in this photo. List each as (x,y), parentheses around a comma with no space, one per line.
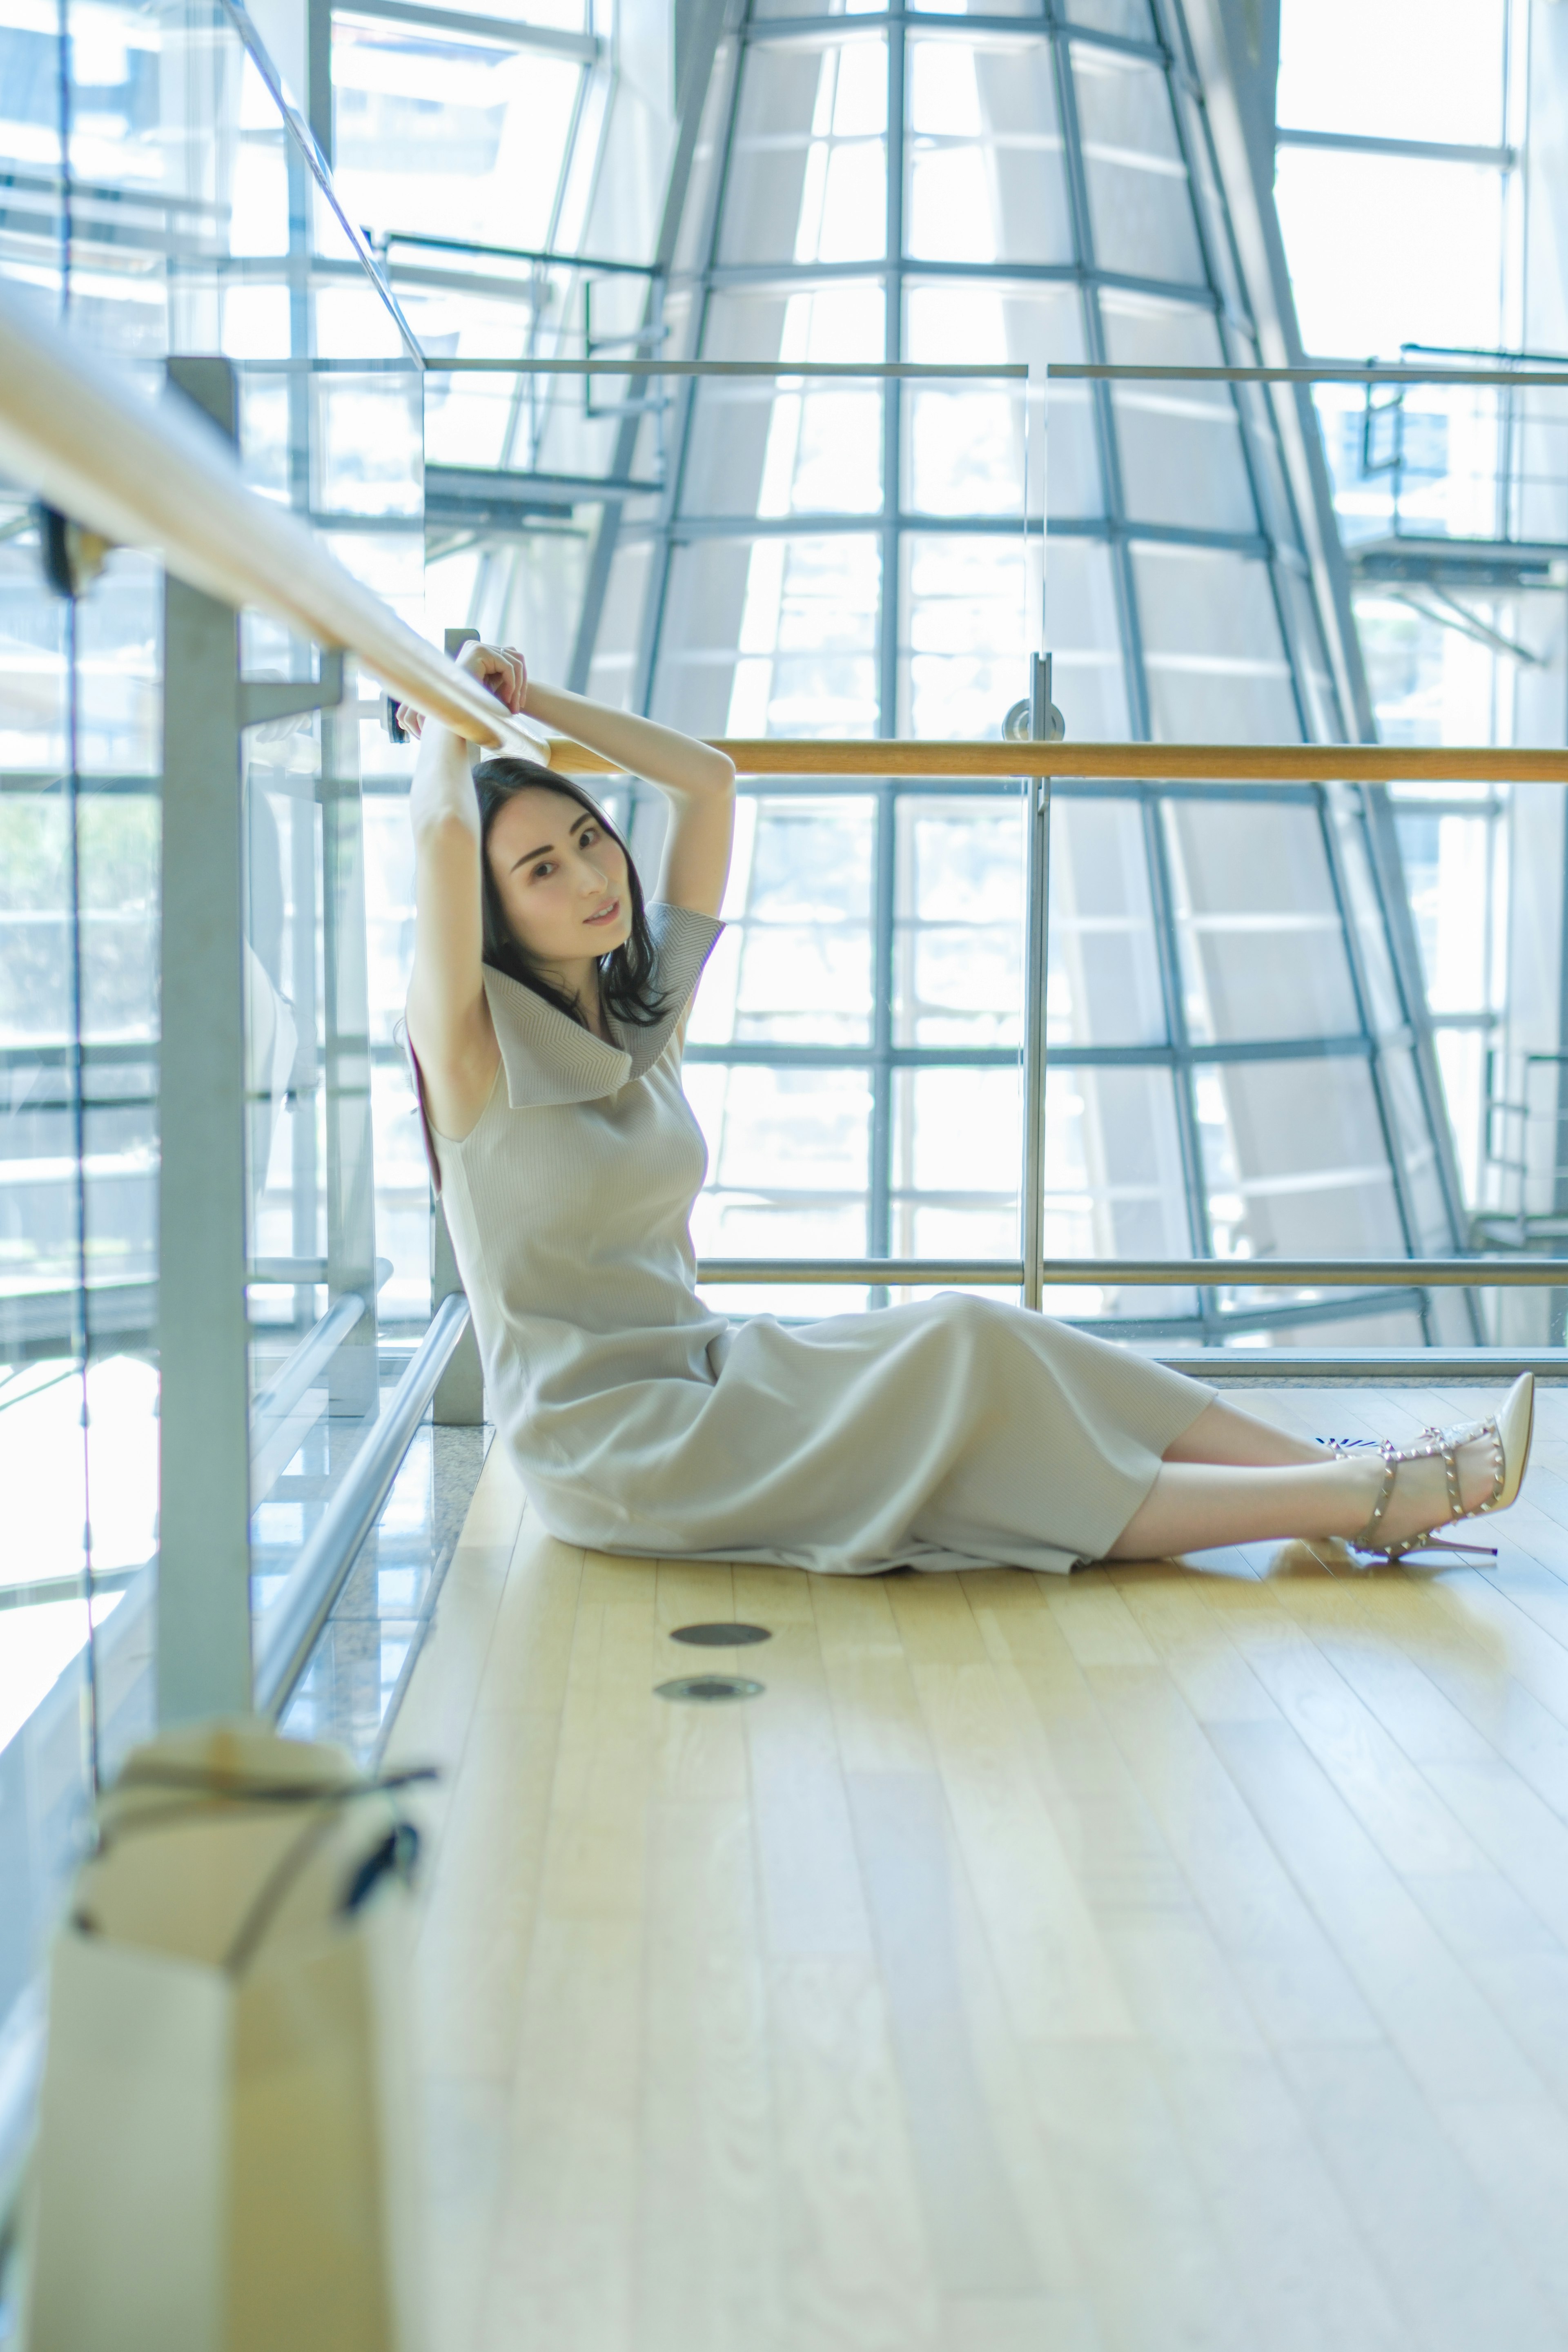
(957,1433)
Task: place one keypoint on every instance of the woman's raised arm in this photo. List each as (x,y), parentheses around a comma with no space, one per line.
(698,781)
(448,1016)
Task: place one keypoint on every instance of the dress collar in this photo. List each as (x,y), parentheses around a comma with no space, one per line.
(549,1058)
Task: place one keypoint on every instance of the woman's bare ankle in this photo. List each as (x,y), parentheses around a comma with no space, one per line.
(1420,1502)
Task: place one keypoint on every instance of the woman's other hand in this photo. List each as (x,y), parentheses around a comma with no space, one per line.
(501,669)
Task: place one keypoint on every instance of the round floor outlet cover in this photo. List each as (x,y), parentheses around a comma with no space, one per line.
(721,1637)
(709,1690)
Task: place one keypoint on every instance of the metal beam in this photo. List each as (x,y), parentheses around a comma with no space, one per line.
(203,1428)
(1150,1272)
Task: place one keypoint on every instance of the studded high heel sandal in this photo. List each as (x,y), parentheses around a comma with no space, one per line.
(1510,1432)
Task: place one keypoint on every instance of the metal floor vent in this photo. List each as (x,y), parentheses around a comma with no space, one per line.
(709,1690)
(721,1637)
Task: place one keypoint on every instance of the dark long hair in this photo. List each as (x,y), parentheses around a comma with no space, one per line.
(626,973)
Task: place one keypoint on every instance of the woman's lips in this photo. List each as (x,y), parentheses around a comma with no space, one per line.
(605,914)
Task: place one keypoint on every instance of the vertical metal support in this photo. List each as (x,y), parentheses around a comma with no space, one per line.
(459,1400)
(305,1080)
(350,1158)
(203,1570)
(883,1106)
(318,73)
(1037,969)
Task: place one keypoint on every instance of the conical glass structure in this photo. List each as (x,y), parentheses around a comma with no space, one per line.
(1240,1063)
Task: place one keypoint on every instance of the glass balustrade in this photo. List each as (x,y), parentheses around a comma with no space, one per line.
(158,197)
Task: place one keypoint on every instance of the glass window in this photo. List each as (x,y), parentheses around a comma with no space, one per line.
(1258,928)
(1114,1185)
(1422,68)
(787,1154)
(1180,444)
(612,675)
(1295,1161)
(1082,627)
(1386,249)
(779,447)
(1130,19)
(1217,668)
(1104,985)
(986,175)
(957,1141)
(1139,194)
(965,443)
(447,133)
(808,161)
(977,7)
(772,637)
(1445,860)
(963,666)
(959,931)
(793,965)
(1412,1132)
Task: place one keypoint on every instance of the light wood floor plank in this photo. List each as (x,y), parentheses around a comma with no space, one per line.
(1165,1958)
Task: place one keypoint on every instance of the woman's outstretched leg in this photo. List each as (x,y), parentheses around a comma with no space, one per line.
(1195,1506)
(1221,1433)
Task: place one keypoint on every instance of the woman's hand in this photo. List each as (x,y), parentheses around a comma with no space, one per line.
(501,669)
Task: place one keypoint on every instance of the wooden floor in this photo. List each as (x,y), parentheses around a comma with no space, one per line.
(1156,1958)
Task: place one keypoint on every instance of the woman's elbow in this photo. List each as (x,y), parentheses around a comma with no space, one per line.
(443,831)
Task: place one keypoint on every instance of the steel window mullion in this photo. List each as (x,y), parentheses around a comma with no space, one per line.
(1184,1092)
(879,1199)
(774,31)
(1387,871)
(836,522)
(1387,1125)
(764,1056)
(1200,1232)
(654,614)
(892,352)
(1095,338)
(725,275)
(597,586)
(1267,551)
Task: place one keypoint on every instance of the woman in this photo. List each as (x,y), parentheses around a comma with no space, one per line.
(546,1016)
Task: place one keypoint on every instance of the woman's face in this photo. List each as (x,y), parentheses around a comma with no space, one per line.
(561,879)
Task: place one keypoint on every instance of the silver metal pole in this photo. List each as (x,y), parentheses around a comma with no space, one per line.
(203,1429)
(1152,1273)
(459,1400)
(1037,966)
(351,1159)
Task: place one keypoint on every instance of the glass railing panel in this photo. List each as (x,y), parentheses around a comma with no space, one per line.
(1114,1163)
(1105,985)
(195,224)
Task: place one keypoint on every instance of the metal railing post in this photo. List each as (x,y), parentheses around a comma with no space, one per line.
(459,1398)
(203,1429)
(1037,972)
(346,1063)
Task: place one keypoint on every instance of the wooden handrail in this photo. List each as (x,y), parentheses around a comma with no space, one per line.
(1243,763)
(162,479)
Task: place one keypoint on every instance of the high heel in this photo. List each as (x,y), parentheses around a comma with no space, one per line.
(1510,1432)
